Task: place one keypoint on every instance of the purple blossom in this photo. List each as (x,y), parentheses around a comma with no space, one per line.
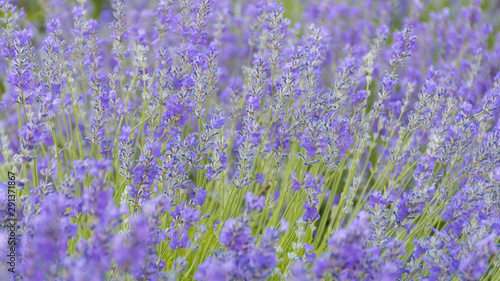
(175,139)
(235,235)
(254,203)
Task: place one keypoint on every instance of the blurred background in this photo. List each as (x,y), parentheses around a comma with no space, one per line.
(33,7)
(293,8)
(36,9)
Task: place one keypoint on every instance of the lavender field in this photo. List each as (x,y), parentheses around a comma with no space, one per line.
(249,140)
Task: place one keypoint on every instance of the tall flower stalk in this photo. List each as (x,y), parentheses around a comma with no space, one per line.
(221,140)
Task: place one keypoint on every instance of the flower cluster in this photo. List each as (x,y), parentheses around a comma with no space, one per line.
(251,140)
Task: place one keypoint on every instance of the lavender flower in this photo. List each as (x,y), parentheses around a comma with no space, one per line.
(175,139)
